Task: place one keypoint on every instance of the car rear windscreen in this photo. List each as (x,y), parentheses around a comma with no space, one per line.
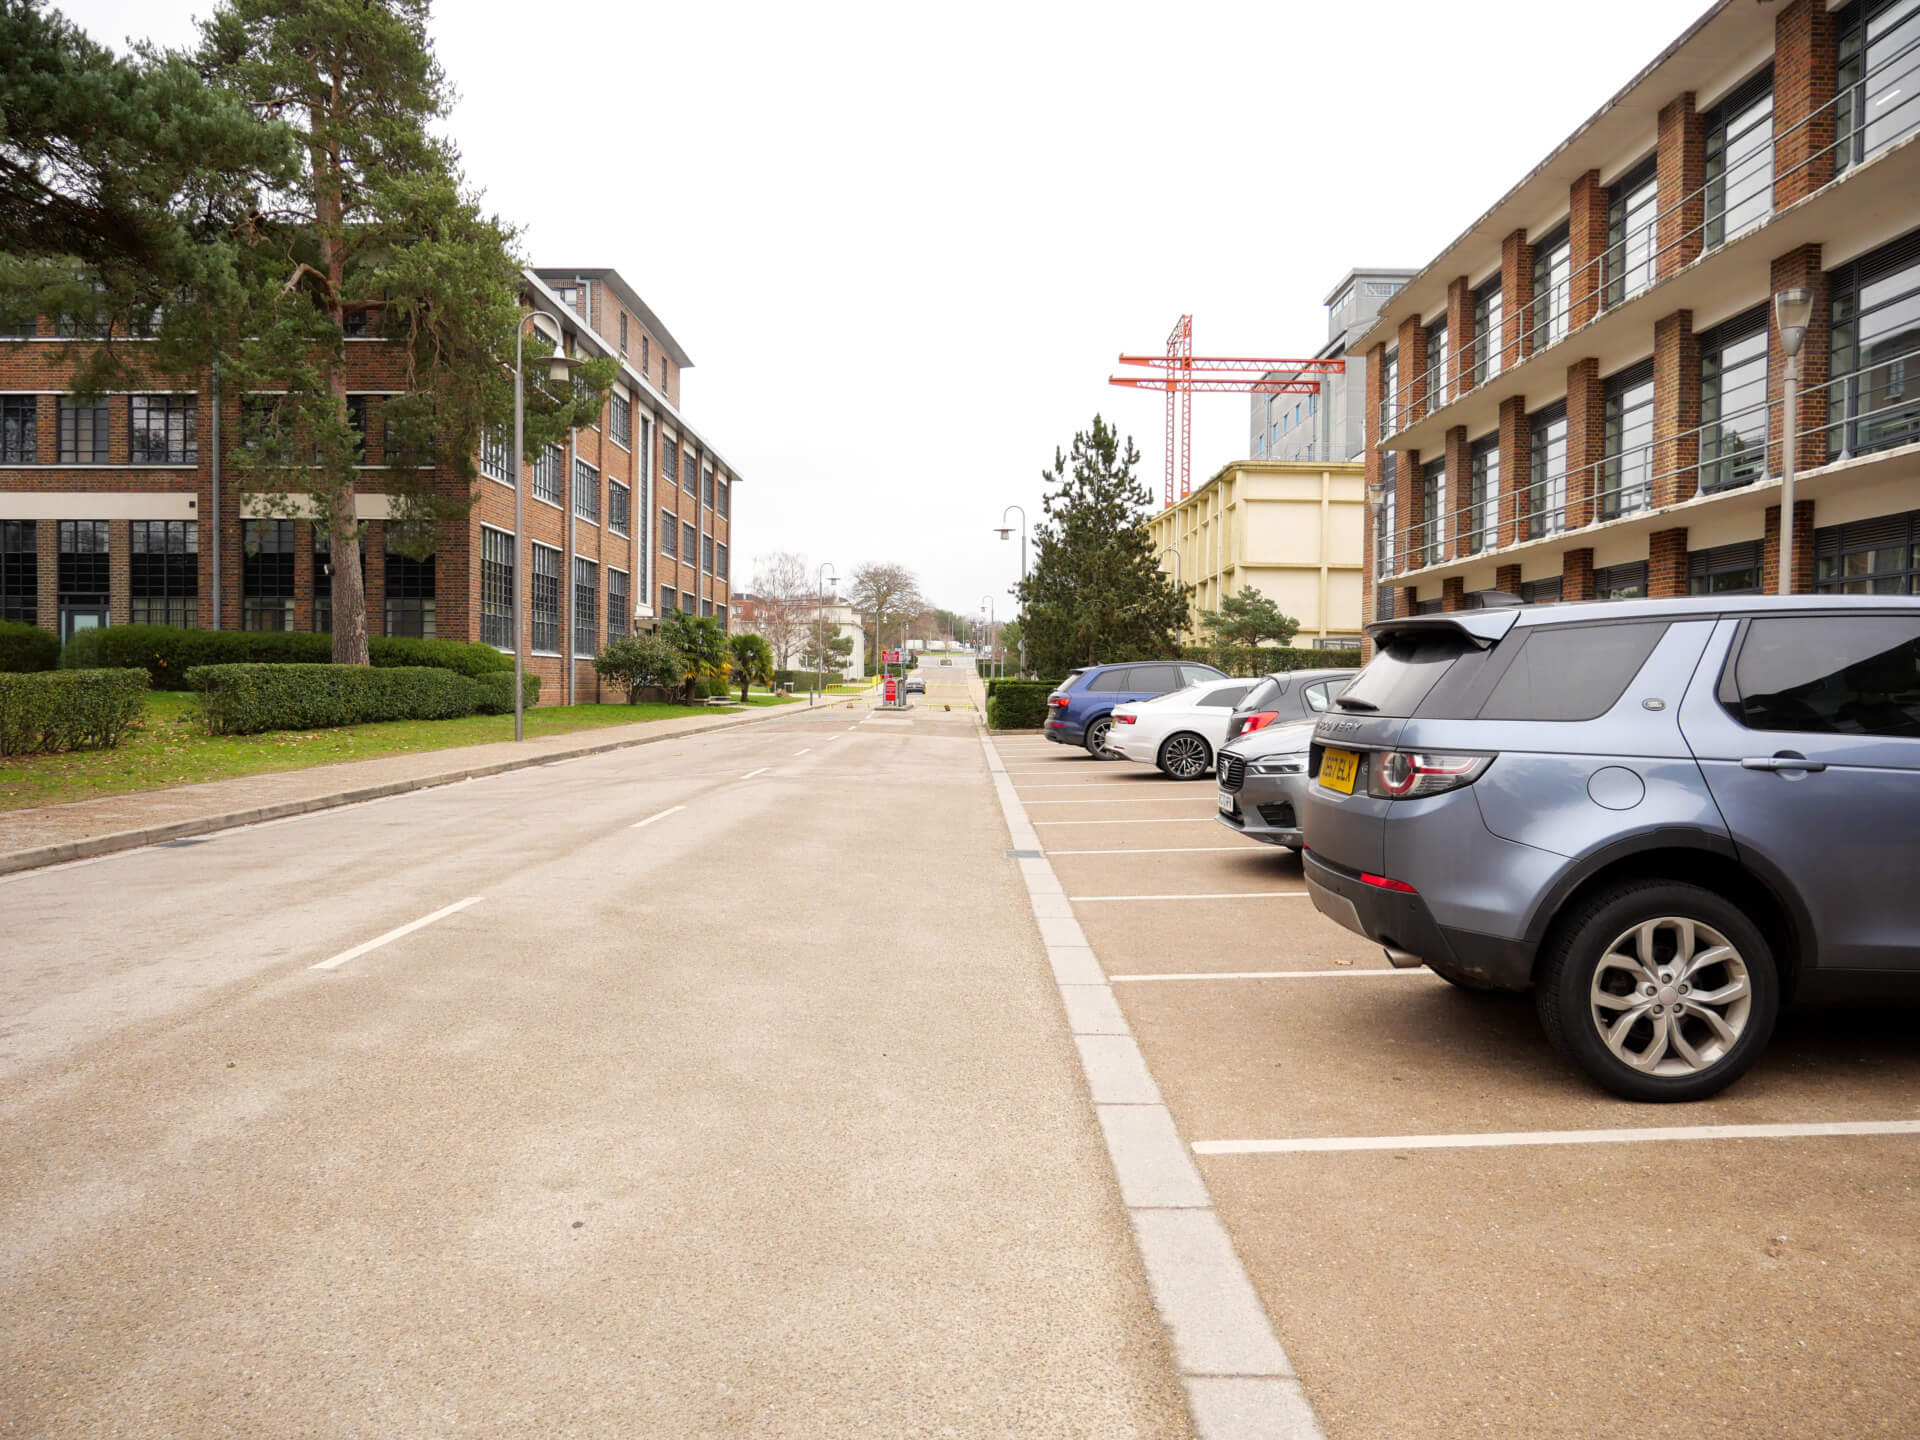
(1407,665)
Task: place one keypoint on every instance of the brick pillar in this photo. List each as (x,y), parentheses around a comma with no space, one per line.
(1667,563)
(303,574)
(1516,463)
(1453,593)
(374,579)
(1805,75)
(1459,487)
(1795,269)
(1460,335)
(1406,599)
(119,572)
(1676,409)
(1586,441)
(1802,549)
(1682,170)
(1586,247)
(46,544)
(1576,574)
(1406,491)
(1412,400)
(1516,295)
(1506,578)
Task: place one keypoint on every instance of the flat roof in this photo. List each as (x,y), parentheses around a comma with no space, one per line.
(613,281)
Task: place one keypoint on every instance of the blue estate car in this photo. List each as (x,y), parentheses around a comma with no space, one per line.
(1080,708)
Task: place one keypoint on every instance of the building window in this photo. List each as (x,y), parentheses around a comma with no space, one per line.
(620,412)
(83,575)
(1879,73)
(1388,522)
(410,596)
(164,565)
(83,432)
(1552,290)
(1383,602)
(1733,402)
(1547,486)
(1431,542)
(706,609)
(720,561)
(19,429)
(1542,592)
(266,574)
(543,608)
(706,554)
(357,423)
(689,477)
(1875,350)
(1438,391)
(161,430)
(586,492)
(623,332)
(1488,318)
(1740,160)
(663,374)
(1626,472)
(618,507)
(1633,205)
(1621,582)
(586,607)
(1870,557)
(323,575)
(646,359)
(689,542)
(667,597)
(619,610)
(1390,392)
(496,588)
(1483,495)
(496,458)
(1725,570)
(669,534)
(547,471)
(721,501)
(20,571)
(687,603)
(706,488)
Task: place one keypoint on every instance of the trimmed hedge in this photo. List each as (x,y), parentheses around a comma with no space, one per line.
(1248,660)
(999,680)
(167,652)
(41,714)
(496,692)
(26,648)
(1018,704)
(798,680)
(246,699)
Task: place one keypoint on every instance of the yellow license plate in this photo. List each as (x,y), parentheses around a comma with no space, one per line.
(1337,769)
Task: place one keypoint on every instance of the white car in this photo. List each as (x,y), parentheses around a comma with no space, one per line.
(1179,731)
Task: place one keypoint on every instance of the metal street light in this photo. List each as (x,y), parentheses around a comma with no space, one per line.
(1006,533)
(559,367)
(986,604)
(820,627)
(1174,550)
(1792,312)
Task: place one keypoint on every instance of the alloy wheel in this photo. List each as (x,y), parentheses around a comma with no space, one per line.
(1185,757)
(1097,739)
(1671,996)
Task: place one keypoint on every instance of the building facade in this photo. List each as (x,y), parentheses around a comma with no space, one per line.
(1330,424)
(1582,396)
(126,511)
(1291,530)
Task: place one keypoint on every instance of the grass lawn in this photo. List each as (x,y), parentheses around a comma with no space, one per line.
(170,748)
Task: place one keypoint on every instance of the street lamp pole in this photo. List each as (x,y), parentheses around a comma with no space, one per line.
(986,603)
(1006,531)
(1792,311)
(820,628)
(1174,550)
(558,366)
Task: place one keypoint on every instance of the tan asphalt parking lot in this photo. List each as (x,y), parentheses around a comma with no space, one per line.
(1578,1280)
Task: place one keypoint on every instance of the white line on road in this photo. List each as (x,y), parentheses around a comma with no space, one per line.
(1136,800)
(374,944)
(1228,895)
(1497,1139)
(642,824)
(831,738)
(1182,820)
(1081,785)
(805,750)
(761,771)
(1268,975)
(1162,850)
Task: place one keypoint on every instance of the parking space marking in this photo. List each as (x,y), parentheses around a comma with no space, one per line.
(804,750)
(1226,895)
(761,771)
(1164,850)
(1501,1138)
(1179,820)
(387,939)
(1136,800)
(671,810)
(1266,975)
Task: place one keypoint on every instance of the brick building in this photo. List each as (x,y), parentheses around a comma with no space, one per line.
(104,508)
(1580,397)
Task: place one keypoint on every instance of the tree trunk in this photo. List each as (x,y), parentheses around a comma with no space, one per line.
(348,586)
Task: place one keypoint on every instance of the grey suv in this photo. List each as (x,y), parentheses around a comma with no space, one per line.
(1666,817)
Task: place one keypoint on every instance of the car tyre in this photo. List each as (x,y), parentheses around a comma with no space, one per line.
(1627,961)
(1185,756)
(1096,741)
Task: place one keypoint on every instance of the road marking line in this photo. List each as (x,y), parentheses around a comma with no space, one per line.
(1228,895)
(805,751)
(761,771)
(642,824)
(1163,850)
(1182,820)
(1136,800)
(1501,1139)
(831,738)
(1081,784)
(1268,975)
(374,944)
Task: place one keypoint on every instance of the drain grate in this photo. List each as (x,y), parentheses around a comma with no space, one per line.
(1026,854)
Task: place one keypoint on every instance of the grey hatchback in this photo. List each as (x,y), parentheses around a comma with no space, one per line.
(1667,817)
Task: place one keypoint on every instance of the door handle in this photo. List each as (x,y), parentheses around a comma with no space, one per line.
(1786,760)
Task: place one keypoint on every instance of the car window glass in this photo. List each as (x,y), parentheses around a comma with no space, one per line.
(1155,678)
(1318,697)
(1832,675)
(1067,684)
(1261,696)
(1226,697)
(1571,672)
(1111,680)
(1199,674)
(1406,665)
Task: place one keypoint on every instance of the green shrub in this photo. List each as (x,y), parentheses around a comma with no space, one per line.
(998,680)
(25,648)
(640,663)
(246,699)
(460,656)
(167,652)
(1018,704)
(496,692)
(1246,660)
(68,709)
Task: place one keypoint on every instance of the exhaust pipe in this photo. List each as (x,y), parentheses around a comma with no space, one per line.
(1402,959)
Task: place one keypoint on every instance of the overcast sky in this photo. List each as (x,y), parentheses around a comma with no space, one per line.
(905,243)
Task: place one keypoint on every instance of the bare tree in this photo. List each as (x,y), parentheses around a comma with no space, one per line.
(784,591)
(888,594)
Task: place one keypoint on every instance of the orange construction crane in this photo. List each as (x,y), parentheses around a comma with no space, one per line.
(1186,373)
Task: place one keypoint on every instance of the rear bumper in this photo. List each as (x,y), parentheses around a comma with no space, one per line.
(1268,809)
(1398,921)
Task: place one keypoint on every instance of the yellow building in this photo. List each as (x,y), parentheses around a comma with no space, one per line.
(1293,530)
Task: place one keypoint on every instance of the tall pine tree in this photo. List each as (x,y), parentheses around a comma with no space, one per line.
(1096,593)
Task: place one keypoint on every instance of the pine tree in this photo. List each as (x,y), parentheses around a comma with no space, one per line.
(1248,618)
(1096,593)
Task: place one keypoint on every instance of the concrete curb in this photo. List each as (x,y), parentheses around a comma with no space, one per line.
(96,845)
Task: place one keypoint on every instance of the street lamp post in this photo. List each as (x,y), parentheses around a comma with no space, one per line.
(559,365)
(1174,550)
(986,604)
(1006,532)
(820,628)
(1792,311)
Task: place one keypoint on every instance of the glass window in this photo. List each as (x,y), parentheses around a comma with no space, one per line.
(1831,675)
(619,611)
(617,507)
(1155,679)
(1198,674)
(669,533)
(1483,499)
(689,542)
(1740,160)
(164,566)
(1879,78)
(266,574)
(1390,392)
(1547,486)
(586,492)
(1488,319)
(620,409)
(687,602)
(161,430)
(496,459)
(1552,289)
(1633,206)
(1225,698)
(496,588)
(1110,682)
(1318,696)
(667,598)
(586,607)
(547,471)
(721,500)
(1733,402)
(720,560)
(1626,472)
(410,604)
(1869,557)
(1430,545)
(1387,537)
(357,423)
(1875,350)
(1542,592)
(1621,582)
(1571,672)
(19,429)
(83,432)
(543,602)
(689,477)
(1438,391)
(1406,665)
(1725,570)
(623,332)
(706,488)
(706,554)
(20,571)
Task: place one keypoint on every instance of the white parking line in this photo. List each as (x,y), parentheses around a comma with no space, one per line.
(1268,975)
(642,824)
(1181,820)
(1078,784)
(1502,1138)
(831,738)
(1136,800)
(374,944)
(1228,895)
(805,750)
(1162,850)
(761,771)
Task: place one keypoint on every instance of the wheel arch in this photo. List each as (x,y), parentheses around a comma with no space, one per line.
(1160,750)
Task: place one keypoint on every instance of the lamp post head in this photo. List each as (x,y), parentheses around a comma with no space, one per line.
(1377,491)
(1005,531)
(1793,312)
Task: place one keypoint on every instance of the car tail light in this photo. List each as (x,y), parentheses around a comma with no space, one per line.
(1414,774)
(1125,719)
(1060,700)
(1259,720)
(1398,886)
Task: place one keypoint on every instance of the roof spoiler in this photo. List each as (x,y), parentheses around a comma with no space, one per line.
(1483,627)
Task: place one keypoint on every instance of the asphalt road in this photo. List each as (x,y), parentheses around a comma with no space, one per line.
(737,1102)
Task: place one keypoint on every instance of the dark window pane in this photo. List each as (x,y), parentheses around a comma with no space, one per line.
(1155,679)
(496,588)
(162,430)
(83,433)
(1571,672)
(543,609)
(1406,665)
(19,429)
(586,607)
(164,572)
(1225,699)
(1832,675)
(410,599)
(20,571)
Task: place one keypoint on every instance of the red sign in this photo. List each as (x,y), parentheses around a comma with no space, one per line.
(889,657)
(892,690)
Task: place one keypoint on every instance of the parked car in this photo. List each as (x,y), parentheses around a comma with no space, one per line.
(1290,695)
(1666,817)
(1263,777)
(916,685)
(1080,709)
(1177,732)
